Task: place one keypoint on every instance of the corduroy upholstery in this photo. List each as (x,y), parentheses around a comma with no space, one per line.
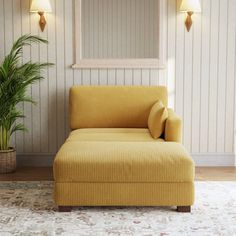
(124,194)
(173,128)
(110,160)
(113,106)
(121,161)
(112,134)
(157,119)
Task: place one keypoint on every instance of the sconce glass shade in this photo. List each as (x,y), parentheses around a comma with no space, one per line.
(190,6)
(40,6)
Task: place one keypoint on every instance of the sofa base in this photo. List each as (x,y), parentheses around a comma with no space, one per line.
(124,194)
(69,208)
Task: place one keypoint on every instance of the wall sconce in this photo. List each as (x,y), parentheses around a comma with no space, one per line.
(41,6)
(190,6)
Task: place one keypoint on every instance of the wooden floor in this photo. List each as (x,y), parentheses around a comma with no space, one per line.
(216,173)
(29,174)
(45,173)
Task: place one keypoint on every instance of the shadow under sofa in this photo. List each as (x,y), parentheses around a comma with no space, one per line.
(110,157)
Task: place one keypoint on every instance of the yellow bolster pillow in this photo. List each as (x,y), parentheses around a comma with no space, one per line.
(156,119)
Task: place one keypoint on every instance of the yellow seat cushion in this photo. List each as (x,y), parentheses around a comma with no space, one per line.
(112,134)
(156,119)
(91,158)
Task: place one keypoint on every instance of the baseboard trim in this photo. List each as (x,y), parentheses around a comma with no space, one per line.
(206,159)
(35,160)
(214,159)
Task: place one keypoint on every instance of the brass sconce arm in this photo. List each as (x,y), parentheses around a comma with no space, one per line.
(42,20)
(189,22)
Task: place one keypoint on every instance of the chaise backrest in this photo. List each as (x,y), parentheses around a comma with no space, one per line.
(113,106)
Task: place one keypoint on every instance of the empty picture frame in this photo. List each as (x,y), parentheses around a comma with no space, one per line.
(120,34)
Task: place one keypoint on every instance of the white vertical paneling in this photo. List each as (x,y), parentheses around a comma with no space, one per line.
(187,99)
(90,77)
(213,66)
(103,76)
(137,77)
(68,59)
(52,81)
(154,77)
(16,20)
(145,77)
(196,80)
(205,76)
(8,26)
(36,124)
(171,29)
(43,95)
(60,67)
(77,77)
(128,77)
(120,76)
(111,77)
(179,66)
(28,136)
(162,73)
(9,29)
(2,29)
(221,96)
(94,77)
(16,9)
(230,80)
(200,72)
(234,134)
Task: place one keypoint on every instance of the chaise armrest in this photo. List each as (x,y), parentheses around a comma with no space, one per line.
(173,127)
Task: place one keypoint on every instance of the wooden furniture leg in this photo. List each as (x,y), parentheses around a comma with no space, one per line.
(184,208)
(64,208)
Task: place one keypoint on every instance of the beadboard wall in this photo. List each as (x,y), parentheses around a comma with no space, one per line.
(120,29)
(200,76)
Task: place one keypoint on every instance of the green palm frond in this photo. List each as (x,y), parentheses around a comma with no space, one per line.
(17,127)
(14,81)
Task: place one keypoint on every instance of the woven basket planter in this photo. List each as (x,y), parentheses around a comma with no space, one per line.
(7,161)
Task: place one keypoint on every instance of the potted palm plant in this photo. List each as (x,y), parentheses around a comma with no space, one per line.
(14,80)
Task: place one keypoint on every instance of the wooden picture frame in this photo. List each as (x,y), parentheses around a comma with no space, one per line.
(152,63)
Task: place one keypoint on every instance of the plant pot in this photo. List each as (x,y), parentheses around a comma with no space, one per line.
(7,161)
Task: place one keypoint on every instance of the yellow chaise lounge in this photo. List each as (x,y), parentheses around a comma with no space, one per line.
(110,157)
